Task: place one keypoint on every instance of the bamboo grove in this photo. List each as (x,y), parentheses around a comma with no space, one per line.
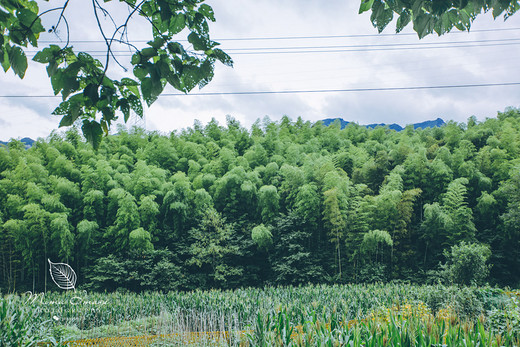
(283,203)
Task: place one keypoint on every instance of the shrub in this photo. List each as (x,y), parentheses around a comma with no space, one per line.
(466,264)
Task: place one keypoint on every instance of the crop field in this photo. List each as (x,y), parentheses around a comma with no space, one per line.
(340,315)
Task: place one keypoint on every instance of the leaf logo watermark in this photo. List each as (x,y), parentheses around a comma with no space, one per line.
(63,275)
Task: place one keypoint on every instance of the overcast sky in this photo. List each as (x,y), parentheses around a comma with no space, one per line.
(452,59)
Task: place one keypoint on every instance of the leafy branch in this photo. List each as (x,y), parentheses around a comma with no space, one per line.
(88,93)
(429,16)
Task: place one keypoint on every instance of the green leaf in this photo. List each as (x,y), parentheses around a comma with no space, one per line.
(207,12)
(91,92)
(134,90)
(108,115)
(403,20)
(222,56)
(206,73)
(174,81)
(129,82)
(381,15)
(136,58)
(162,66)
(365,5)
(124,106)
(176,48)
(4,16)
(67,120)
(199,43)
(190,78)
(462,4)
(87,60)
(92,132)
(62,109)
(148,52)
(26,17)
(443,24)
(140,72)
(70,85)
(438,7)
(423,25)
(5,60)
(17,59)
(417,8)
(57,81)
(135,104)
(177,23)
(157,43)
(151,88)
(499,8)
(104,126)
(44,56)
(52,68)
(177,65)
(108,84)
(71,109)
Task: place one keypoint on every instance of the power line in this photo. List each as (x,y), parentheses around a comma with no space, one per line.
(367,49)
(351,90)
(374,45)
(303,37)
(420,44)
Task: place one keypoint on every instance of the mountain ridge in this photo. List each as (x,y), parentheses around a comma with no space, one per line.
(27,141)
(426,124)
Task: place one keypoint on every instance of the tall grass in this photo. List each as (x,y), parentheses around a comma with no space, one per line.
(303,316)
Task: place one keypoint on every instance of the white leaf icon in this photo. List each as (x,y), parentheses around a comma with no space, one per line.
(62,275)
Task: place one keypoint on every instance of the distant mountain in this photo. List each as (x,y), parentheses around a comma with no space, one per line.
(427,124)
(392,126)
(26,140)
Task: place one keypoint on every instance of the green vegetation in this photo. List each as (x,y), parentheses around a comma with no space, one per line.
(297,316)
(434,16)
(88,92)
(284,203)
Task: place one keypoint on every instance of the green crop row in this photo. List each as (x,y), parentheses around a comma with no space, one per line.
(305,316)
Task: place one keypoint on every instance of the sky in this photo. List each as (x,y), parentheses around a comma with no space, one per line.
(261,38)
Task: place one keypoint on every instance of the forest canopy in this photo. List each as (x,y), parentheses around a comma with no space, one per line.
(286,202)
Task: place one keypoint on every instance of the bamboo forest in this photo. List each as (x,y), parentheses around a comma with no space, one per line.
(282,203)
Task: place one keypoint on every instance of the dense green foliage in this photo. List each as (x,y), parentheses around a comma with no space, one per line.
(84,82)
(466,264)
(435,15)
(284,203)
(263,316)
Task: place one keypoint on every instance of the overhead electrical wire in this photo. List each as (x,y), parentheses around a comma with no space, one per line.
(327,49)
(420,44)
(349,90)
(320,37)
(370,49)
(366,48)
